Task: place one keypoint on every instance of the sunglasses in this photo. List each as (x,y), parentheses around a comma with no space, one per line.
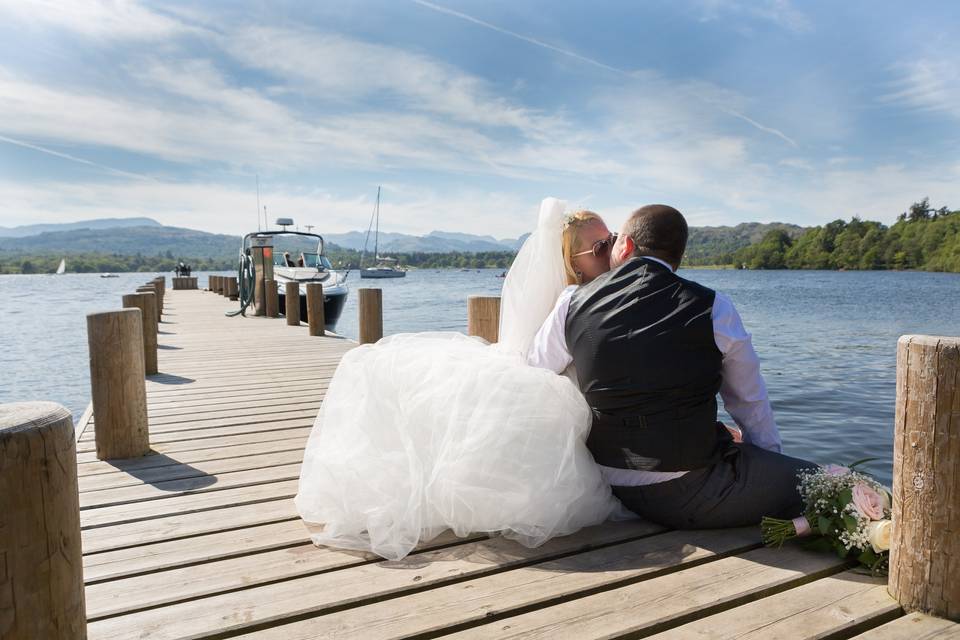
(600,248)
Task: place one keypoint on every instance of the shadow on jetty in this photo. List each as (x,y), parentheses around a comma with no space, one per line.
(169,378)
(164,473)
(168,346)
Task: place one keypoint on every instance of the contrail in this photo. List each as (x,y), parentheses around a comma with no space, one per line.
(67,156)
(595,63)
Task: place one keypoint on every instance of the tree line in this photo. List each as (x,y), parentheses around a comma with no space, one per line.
(923,238)
(93,262)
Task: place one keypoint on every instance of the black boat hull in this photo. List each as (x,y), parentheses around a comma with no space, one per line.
(332,308)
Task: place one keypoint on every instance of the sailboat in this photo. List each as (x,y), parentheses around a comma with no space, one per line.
(62,268)
(385,267)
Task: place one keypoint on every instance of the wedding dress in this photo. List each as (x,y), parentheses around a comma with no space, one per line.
(429,431)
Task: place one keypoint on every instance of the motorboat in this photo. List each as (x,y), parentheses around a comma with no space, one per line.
(312,267)
(293,256)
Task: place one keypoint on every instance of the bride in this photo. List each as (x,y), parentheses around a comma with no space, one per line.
(431,431)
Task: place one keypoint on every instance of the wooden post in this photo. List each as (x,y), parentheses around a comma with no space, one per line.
(117,383)
(925,547)
(273,301)
(483,317)
(41,564)
(233,289)
(152,288)
(161,282)
(211,282)
(291,296)
(315,308)
(370,308)
(146,302)
(184,282)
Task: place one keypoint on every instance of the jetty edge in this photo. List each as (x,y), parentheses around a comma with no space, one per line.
(198,538)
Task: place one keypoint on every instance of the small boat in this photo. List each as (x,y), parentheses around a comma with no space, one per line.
(385,267)
(62,268)
(109,275)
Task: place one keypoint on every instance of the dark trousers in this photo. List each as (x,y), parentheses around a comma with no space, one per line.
(745,485)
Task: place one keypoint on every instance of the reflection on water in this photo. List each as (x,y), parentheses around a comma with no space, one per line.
(827,340)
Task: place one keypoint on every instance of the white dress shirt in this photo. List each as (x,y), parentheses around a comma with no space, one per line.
(743,390)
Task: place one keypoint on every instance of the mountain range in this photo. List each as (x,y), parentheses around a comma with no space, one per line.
(145,236)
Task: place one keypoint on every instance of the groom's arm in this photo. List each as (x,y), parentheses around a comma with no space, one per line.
(743,390)
(549,348)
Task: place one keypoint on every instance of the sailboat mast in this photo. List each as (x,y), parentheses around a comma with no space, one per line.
(376,237)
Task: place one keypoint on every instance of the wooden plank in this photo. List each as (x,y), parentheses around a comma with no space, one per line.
(270,603)
(250,457)
(214,432)
(182,448)
(184,504)
(155,589)
(227,417)
(185,525)
(168,554)
(668,578)
(189,486)
(842,604)
(915,626)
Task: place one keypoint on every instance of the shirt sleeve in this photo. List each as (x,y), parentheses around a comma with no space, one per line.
(549,348)
(743,390)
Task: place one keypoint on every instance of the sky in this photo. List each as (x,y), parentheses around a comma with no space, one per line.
(468,113)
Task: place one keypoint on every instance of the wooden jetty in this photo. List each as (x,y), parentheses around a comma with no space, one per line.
(200,539)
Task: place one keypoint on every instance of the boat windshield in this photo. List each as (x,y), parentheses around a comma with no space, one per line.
(303,259)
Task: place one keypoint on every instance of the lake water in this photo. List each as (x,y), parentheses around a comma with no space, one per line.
(827,340)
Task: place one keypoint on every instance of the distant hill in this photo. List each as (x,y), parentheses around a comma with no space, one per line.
(144,240)
(707,245)
(99,223)
(716,245)
(433,242)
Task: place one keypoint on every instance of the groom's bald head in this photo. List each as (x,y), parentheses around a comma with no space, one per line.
(658,230)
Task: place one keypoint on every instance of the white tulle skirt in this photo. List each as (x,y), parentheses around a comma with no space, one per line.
(424,432)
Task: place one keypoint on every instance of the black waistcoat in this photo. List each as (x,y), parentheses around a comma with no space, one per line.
(642,342)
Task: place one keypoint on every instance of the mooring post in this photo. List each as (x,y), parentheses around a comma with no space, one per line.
(117,384)
(370,309)
(41,584)
(273,300)
(315,318)
(211,282)
(152,288)
(233,289)
(161,282)
(291,295)
(483,317)
(146,302)
(925,547)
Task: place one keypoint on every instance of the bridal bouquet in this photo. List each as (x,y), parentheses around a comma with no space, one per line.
(845,510)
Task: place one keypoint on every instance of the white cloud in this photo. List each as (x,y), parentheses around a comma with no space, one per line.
(779,12)
(927,84)
(102,19)
(220,208)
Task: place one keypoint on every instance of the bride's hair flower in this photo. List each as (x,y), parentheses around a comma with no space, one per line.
(868,501)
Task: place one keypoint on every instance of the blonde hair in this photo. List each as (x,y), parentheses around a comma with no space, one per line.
(571,234)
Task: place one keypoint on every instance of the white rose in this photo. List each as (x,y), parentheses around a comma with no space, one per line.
(878,534)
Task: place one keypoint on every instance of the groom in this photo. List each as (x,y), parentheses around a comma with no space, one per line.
(652,350)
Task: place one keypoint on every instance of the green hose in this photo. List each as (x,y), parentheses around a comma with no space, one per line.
(246,281)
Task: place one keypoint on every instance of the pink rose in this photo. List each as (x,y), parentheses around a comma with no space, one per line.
(836,470)
(868,501)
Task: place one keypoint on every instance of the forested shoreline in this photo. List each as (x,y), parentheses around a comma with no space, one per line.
(923,238)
